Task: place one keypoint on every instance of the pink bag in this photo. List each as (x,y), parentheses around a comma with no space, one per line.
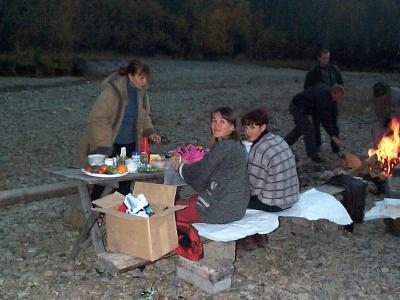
(190,153)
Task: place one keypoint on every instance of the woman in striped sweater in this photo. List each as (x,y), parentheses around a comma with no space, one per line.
(274,184)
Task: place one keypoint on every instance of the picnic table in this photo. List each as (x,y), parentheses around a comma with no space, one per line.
(111,262)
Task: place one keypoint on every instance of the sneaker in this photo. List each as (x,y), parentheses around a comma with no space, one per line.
(317,159)
(247,243)
(261,240)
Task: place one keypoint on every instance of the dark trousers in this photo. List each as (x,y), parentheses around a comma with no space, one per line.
(303,126)
(255,203)
(317,131)
(124,186)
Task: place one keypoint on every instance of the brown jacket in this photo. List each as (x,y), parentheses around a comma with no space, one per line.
(107,114)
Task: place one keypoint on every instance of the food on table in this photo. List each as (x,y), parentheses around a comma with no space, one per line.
(121,169)
(112,170)
(103,169)
(106,170)
(155,157)
(149,168)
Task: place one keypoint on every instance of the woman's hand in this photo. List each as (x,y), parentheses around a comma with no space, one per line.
(175,165)
(155,138)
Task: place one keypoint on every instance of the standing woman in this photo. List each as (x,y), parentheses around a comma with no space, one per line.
(220,178)
(120,117)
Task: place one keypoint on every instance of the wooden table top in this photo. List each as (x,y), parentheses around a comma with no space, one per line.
(77,174)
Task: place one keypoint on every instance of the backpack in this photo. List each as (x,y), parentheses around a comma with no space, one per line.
(354,194)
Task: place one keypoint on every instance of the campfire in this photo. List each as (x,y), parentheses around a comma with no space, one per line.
(387,152)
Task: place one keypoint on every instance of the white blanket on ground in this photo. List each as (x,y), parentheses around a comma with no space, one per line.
(387,208)
(312,205)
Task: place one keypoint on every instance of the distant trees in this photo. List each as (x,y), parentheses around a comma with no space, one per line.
(358,32)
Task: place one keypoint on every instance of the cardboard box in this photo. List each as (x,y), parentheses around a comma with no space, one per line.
(146,238)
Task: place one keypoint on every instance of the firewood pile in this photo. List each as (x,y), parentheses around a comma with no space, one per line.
(372,168)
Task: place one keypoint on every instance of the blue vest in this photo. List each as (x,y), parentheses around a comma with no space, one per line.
(127,131)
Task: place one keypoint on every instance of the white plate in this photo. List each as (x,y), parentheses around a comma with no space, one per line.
(104,175)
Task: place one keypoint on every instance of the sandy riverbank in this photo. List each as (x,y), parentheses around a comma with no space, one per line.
(42,121)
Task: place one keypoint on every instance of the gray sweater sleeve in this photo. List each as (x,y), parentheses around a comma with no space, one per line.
(197,175)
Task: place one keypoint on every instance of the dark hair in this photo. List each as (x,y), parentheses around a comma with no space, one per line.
(257,116)
(323,51)
(228,114)
(135,67)
(380,88)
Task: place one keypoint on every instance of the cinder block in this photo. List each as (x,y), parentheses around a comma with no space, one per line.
(213,273)
(202,283)
(217,254)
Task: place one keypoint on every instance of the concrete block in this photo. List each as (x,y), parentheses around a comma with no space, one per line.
(212,274)
(202,283)
(217,254)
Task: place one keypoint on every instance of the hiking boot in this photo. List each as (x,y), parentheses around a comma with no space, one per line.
(247,243)
(261,240)
(317,159)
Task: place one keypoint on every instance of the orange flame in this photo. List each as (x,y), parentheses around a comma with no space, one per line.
(388,148)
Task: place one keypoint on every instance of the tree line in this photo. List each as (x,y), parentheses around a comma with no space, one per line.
(359,33)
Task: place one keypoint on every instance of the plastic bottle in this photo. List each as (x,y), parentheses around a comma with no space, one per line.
(145,148)
(136,160)
(136,157)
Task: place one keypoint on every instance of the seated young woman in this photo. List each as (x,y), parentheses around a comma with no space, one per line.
(274,185)
(220,178)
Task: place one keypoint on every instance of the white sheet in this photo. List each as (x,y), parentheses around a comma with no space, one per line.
(387,208)
(312,205)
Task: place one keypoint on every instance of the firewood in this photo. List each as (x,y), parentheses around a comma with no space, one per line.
(372,160)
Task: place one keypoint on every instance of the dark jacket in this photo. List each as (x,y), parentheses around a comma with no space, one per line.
(315,75)
(317,101)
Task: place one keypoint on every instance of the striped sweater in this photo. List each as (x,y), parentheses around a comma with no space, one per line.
(272,172)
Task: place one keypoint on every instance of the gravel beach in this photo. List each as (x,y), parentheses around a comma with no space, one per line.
(42,120)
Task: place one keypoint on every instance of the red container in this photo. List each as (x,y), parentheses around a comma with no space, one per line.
(145,147)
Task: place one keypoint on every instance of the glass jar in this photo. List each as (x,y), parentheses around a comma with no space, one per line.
(143,158)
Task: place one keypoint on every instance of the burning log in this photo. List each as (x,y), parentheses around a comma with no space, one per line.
(371,161)
(372,167)
(388,148)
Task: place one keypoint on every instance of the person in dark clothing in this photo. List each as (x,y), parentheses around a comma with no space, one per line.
(323,72)
(317,101)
